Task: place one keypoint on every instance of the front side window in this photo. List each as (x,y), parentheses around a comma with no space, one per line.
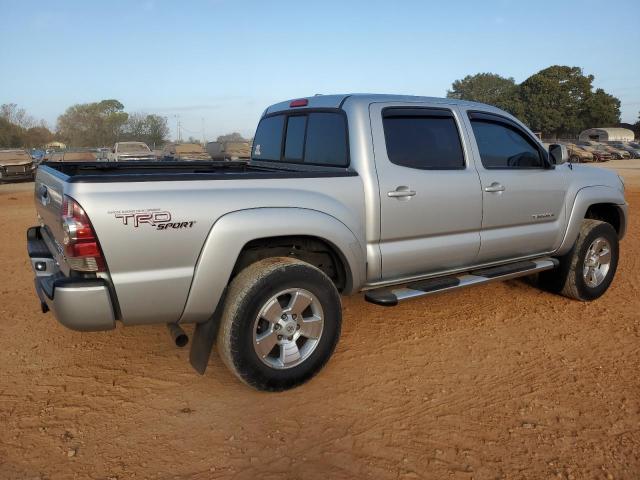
(423,139)
(504,147)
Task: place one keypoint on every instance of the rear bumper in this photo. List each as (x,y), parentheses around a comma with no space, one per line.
(82,304)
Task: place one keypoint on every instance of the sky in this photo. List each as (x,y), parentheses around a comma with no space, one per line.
(216,65)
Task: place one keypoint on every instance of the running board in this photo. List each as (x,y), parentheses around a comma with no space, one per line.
(391,296)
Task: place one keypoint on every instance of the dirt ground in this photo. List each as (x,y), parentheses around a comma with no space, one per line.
(499,381)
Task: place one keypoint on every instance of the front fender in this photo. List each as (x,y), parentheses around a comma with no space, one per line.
(586,197)
(234,230)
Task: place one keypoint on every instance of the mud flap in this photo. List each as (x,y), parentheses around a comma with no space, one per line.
(203,337)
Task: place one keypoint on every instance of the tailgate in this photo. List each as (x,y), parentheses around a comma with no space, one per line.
(49,193)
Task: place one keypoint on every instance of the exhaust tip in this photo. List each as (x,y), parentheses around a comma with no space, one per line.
(178,335)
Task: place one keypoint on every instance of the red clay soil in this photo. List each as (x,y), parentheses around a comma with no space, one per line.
(500,381)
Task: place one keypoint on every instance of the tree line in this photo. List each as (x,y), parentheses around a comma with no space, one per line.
(96,124)
(558,101)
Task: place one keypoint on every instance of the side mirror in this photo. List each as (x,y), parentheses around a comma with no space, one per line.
(558,154)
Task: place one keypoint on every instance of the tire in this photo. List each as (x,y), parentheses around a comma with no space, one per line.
(577,276)
(266,289)
(574,159)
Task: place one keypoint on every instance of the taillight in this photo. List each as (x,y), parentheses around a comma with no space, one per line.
(81,246)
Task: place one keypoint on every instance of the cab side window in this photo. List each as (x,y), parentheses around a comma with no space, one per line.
(503,146)
(422,138)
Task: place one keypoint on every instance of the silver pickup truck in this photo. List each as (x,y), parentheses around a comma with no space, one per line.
(395,196)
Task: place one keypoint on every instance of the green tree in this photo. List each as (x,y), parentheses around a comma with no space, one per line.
(157,130)
(92,124)
(491,89)
(600,110)
(554,99)
(151,129)
(11,135)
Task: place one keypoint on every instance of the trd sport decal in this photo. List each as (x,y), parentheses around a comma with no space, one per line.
(154,217)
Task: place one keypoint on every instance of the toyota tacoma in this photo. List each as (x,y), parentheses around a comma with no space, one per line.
(397,197)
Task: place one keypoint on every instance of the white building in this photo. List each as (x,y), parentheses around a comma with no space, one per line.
(607,135)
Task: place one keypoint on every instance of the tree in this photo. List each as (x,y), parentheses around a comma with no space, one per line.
(11,135)
(600,110)
(92,124)
(151,129)
(491,89)
(37,137)
(17,116)
(560,101)
(157,130)
(231,137)
(18,129)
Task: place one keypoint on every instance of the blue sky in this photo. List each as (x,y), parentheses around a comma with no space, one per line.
(220,63)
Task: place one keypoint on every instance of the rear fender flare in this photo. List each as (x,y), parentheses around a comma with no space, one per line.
(231,232)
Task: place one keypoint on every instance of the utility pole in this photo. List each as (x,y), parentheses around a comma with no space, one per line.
(178,127)
(202,131)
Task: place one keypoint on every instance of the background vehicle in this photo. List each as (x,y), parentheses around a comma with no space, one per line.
(129,151)
(617,153)
(600,154)
(633,151)
(15,164)
(399,197)
(229,150)
(579,155)
(79,155)
(184,151)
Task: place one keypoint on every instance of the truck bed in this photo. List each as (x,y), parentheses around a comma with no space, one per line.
(102,172)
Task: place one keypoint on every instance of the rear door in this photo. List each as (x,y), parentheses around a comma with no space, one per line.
(430,198)
(523,199)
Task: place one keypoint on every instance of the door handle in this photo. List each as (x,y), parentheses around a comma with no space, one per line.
(401,192)
(494,187)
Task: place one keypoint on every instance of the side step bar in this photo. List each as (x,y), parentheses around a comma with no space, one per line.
(391,296)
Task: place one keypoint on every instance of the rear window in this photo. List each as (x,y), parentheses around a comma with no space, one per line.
(267,144)
(317,138)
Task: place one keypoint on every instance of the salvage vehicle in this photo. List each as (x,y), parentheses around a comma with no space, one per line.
(398,197)
(130,151)
(77,155)
(173,152)
(634,152)
(578,154)
(15,164)
(229,150)
(617,153)
(599,153)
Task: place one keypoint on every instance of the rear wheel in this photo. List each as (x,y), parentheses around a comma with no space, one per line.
(586,272)
(280,324)
(574,159)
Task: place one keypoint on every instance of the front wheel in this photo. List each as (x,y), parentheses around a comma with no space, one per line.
(586,272)
(280,324)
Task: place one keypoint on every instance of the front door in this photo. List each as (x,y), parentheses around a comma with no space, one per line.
(430,197)
(523,199)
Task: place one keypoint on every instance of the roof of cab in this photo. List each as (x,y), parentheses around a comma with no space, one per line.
(336,101)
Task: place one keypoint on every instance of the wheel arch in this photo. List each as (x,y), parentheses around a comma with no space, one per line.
(225,251)
(598,203)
